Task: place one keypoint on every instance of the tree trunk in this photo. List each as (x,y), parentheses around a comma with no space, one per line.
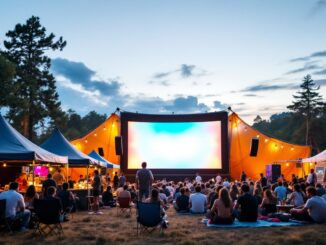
(307,130)
(26,125)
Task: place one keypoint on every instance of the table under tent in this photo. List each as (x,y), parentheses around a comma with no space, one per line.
(18,153)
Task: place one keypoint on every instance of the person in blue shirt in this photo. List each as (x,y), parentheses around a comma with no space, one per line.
(280,192)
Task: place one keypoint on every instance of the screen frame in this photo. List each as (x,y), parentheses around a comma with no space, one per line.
(222,117)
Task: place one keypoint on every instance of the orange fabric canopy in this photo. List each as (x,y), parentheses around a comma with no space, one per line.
(270,150)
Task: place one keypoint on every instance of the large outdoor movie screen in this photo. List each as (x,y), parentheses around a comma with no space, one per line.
(175,145)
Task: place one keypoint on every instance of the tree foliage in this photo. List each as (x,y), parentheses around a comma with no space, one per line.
(36,98)
(7,73)
(292,126)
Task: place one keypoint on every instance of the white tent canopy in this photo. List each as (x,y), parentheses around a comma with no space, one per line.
(321,157)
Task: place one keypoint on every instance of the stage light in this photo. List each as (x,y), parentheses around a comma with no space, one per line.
(282,146)
(86,141)
(50,168)
(266,140)
(5,165)
(257,136)
(287,164)
(104,128)
(95,134)
(292,149)
(311,164)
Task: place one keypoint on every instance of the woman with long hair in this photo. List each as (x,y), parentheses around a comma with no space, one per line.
(234,192)
(221,212)
(268,204)
(29,197)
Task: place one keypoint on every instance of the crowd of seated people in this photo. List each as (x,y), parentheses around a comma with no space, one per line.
(221,201)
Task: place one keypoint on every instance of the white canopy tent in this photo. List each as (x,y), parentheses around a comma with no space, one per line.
(320,165)
(321,157)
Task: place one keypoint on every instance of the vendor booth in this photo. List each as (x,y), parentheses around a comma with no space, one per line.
(17,152)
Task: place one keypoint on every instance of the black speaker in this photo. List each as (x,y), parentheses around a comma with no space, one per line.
(273,172)
(118,145)
(101,152)
(254,147)
(298,165)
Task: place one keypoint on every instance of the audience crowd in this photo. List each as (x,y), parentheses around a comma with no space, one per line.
(218,199)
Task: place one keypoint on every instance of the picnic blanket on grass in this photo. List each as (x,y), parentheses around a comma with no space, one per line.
(259,223)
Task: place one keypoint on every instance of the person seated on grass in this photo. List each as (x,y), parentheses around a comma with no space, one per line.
(248,206)
(314,210)
(280,192)
(29,197)
(320,189)
(222,210)
(182,203)
(107,197)
(15,206)
(213,196)
(234,192)
(268,204)
(296,198)
(169,195)
(197,201)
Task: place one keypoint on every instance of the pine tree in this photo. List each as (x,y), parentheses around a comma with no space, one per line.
(7,73)
(308,102)
(36,96)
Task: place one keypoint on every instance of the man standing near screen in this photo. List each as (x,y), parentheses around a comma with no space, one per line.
(144,180)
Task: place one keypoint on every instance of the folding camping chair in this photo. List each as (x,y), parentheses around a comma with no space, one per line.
(124,206)
(47,217)
(149,217)
(4,221)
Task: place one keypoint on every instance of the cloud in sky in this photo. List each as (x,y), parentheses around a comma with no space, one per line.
(318,54)
(321,82)
(318,7)
(263,87)
(75,78)
(219,105)
(307,67)
(321,72)
(79,73)
(186,104)
(184,71)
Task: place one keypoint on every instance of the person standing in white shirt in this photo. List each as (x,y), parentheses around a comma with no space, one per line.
(312,178)
(198,178)
(15,206)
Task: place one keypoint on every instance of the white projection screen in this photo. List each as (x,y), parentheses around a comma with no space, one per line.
(175,145)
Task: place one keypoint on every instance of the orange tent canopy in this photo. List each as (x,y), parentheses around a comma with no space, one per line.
(270,151)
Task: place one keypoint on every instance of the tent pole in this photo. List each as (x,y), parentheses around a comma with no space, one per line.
(87,181)
(33,166)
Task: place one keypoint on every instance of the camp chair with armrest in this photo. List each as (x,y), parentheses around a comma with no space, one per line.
(149,217)
(124,206)
(6,222)
(47,214)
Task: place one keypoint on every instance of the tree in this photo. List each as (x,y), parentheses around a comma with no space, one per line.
(258,119)
(36,96)
(7,73)
(308,103)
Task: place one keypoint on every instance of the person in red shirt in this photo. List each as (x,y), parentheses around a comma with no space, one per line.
(21,180)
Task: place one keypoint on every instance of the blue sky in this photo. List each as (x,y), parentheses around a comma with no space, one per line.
(180,56)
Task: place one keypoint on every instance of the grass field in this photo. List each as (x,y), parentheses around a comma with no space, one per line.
(110,229)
